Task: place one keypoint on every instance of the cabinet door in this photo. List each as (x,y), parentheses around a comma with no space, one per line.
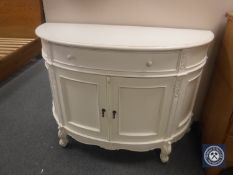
(82,97)
(142,107)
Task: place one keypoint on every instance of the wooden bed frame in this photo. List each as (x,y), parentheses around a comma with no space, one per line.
(18,42)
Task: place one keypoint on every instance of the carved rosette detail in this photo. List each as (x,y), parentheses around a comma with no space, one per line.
(63,139)
(182,65)
(183,59)
(165,152)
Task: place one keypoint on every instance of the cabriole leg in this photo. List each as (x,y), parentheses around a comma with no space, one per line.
(165,152)
(63,139)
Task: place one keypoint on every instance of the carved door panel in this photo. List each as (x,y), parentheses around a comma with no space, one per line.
(83,102)
(140,108)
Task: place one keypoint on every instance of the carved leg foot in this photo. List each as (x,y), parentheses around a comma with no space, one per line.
(63,139)
(165,151)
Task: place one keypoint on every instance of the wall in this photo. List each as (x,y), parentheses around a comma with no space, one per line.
(196,14)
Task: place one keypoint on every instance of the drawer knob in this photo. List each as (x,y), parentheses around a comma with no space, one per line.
(69,57)
(149,63)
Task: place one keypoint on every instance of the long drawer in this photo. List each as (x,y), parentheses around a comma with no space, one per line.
(116,60)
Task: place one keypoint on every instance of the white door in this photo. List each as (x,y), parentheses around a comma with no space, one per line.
(140,108)
(83,102)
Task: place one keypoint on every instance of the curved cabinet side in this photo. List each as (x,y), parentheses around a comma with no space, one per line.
(187,95)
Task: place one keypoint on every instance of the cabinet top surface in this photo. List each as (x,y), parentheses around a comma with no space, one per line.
(123,37)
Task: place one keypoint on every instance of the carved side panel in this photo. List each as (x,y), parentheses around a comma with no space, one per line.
(55,103)
(186,101)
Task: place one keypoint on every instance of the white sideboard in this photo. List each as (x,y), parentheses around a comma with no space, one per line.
(123,87)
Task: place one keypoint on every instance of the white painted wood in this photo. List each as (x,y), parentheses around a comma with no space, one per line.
(63,139)
(123,37)
(165,151)
(188,92)
(114,60)
(83,98)
(148,76)
(141,106)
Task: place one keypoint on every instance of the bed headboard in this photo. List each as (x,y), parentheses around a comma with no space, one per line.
(19,18)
